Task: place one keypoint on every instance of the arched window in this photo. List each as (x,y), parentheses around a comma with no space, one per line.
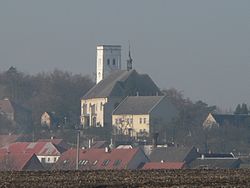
(94,121)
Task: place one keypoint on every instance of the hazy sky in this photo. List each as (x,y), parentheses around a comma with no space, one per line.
(200,47)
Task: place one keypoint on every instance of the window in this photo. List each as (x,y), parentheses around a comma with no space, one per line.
(113,61)
(48,159)
(140,120)
(131,120)
(85,162)
(108,62)
(117,162)
(105,162)
(95,162)
(54,159)
(127,120)
(84,109)
(43,160)
(144,120)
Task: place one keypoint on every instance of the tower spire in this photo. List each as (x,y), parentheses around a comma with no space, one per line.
(129,61)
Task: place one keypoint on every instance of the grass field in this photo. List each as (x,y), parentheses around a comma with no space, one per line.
(152,178)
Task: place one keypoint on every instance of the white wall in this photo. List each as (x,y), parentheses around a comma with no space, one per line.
(49,159)
(106,54)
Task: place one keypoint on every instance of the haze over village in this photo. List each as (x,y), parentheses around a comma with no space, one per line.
(143,87)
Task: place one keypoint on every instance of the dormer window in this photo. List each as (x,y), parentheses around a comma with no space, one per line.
(105,162)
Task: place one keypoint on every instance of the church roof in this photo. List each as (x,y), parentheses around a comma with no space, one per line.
(123,83)
(137,104)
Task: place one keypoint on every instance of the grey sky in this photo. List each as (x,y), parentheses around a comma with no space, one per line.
(200,47)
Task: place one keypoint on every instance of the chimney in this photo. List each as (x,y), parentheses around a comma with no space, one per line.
(107,149)
(111,144)
(202,156)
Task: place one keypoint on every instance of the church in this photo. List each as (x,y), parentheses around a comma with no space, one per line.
(113,85)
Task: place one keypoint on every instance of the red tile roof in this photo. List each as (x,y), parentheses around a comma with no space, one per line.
(164,165)
(15,161)
(91,159)
(39,148)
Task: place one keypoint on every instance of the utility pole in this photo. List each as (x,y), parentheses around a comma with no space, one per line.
(77,149)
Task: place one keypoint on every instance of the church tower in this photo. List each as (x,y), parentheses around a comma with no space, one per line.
(108,59)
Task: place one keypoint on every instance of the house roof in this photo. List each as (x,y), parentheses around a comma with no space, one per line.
(137,104)
(60,144)
(217,155)
(39,148)
(123,83)
(91,159)
(14,160)
(215,163)
(164,165)
(233,119)
(6,106)
(171,154)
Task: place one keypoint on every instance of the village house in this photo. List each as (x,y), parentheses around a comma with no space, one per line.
(97,105)
(217,120)
(19,161)
(46,152)
(100,159)
(142,116)
(215,161)
(174,154)
(49,119)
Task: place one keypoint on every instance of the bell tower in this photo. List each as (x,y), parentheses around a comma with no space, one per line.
(108,59)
